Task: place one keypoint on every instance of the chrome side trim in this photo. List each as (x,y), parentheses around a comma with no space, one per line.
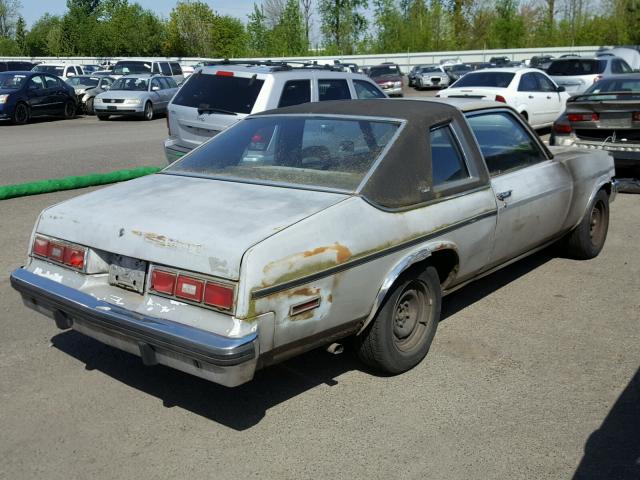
(66,303)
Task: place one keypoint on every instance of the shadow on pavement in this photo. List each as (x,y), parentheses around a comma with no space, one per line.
(243,407)
(613,451)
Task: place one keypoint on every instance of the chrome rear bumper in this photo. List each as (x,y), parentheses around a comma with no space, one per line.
(225,360)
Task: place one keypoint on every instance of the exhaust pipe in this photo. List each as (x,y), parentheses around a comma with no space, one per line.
(335,348)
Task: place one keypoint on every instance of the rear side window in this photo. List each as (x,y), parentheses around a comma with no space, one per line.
(505,144)
(176,68)
(164,83)
(620,66)
(575,67)
(447,162)
(166,70)
(333,90)
(217,92)
(367,90)
(528,83)
(295,92)
(156,67)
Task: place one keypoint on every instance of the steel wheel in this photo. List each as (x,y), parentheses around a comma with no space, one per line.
(412,314)
(21,114)
(597,224)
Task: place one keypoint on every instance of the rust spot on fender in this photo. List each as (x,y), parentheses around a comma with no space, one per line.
(342,253)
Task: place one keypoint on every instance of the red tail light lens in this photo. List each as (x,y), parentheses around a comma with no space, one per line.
(219,296)
(74,257)
(500,98)
(56,252)
(40,246)
(224,73)
(562,128)
(583,117)
(189,288)
(163,282)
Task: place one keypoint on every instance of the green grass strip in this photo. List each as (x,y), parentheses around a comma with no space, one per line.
(70,183)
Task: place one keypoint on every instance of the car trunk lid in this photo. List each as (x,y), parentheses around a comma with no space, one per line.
(195,224)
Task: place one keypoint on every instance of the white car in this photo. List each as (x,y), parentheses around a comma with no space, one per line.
(528,90)
(64,71)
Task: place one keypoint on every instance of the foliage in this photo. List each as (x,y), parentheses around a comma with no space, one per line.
(343,24)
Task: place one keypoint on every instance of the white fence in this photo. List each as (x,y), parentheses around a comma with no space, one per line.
(405,60)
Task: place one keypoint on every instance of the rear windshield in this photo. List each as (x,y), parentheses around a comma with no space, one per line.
(576,67)
(485,79)
(49,69)
(12,81)
(219,93)
(307,151)
(125,68)
(627,89)
(85,81)
(384,70)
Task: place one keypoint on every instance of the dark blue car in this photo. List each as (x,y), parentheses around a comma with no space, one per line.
(24,95)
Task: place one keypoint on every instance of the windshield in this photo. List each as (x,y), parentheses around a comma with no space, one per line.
(320,152)
(485,79)
(138,84)
(12,81)
(84,81)
(219,93)
(384,70)
(125,68)
(56,70)
(576,67)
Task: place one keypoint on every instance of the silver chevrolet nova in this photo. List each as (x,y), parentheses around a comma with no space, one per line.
(305,225)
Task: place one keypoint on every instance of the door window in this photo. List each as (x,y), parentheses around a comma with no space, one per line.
(367,90)
(620,66)
(447,162)
(528,83)
(51,82)
(164,85)
(176,68)
(295,92)
(156,67)
(545,84)
(505,144)
(333,90)
(36,83)
(166,70)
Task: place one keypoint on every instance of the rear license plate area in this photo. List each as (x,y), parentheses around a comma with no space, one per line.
(111,107)
(128,273)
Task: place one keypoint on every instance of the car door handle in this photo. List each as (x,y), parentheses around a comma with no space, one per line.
(503,195)
(530,96)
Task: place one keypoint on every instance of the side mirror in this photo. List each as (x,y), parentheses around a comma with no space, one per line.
(561,89)
(155,88)
(106,87)
(70,74)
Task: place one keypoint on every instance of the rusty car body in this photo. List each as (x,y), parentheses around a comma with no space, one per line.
(301,226)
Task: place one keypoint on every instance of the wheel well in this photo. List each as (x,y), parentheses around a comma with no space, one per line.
(607,188)
(445,262)
(524,115)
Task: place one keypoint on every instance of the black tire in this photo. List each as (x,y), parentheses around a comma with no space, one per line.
(103,117)
(587,239)
(88,108)
(148,111)
(21,114)
(400,335)
(69,110)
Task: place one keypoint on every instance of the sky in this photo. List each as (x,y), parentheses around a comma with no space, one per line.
(32,10)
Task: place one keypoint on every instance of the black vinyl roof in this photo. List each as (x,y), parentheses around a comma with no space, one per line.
(411,110)
(402,179)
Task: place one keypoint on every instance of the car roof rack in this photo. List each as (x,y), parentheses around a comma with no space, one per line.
(275,66)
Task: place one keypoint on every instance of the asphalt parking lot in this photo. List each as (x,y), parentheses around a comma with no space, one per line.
(534,372)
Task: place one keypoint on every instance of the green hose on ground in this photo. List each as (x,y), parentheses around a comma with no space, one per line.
(70,183)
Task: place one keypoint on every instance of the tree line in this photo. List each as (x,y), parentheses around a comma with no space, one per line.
(106,28)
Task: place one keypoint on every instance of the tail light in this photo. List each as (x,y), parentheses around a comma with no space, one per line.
(562,128)
(189,288)
(163,282)
(583,117)
(73,256)
(224,73)
(220,296)
(201,291)
(500,98)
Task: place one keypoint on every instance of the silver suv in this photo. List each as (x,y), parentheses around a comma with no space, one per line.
(217,96)
(576,74)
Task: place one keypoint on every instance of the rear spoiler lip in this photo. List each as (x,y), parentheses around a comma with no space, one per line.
(577,98)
